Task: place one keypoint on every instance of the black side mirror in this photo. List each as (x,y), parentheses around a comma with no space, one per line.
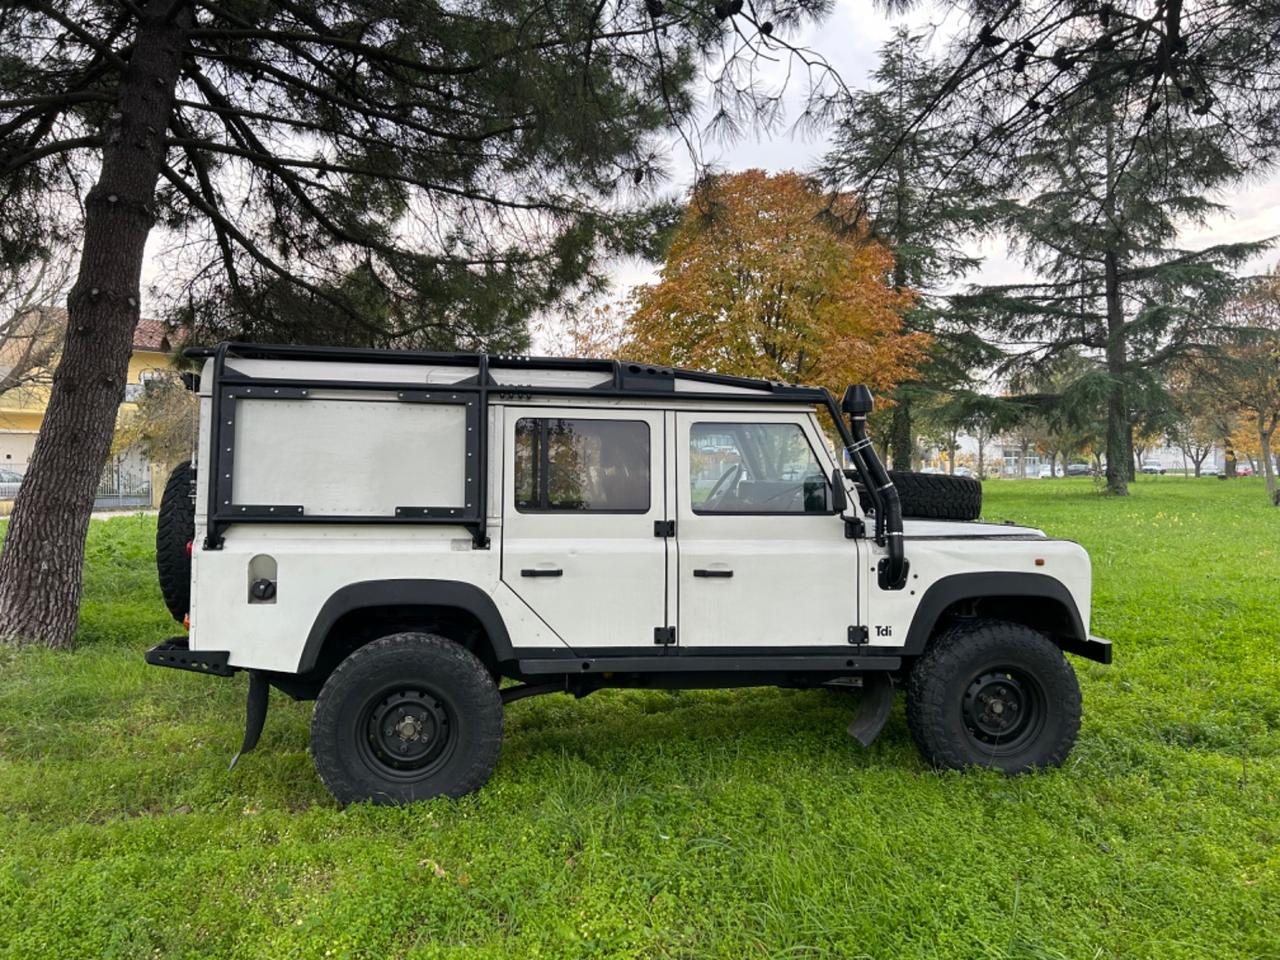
(839,499)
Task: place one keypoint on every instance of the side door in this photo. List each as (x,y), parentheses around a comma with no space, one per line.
(762,557)
(582,492)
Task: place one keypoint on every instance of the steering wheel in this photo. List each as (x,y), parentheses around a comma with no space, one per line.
(791,494)
(722,487)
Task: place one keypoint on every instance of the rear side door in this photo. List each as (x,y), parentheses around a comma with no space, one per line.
(582,493)
(762,557)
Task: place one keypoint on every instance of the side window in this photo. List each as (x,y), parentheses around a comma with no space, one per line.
(598,466)
(754,468)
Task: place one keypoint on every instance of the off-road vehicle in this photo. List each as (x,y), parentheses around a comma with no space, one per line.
(416,540)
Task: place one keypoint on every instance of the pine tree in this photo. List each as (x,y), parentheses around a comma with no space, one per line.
(1013,67)
(1097,218)
(424,172)
(921,193)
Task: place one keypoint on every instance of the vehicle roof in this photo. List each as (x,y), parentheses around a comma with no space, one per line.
(505,374)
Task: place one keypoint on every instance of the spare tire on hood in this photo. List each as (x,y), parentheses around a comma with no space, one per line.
(175,529)
(934,496)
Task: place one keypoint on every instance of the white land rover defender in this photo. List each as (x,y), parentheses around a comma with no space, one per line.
(415,540)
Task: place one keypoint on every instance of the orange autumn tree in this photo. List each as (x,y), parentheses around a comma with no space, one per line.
(764,280)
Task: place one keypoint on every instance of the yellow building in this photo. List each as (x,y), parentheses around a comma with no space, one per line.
(22,407)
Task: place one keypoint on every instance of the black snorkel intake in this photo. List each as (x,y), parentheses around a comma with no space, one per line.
(857,403)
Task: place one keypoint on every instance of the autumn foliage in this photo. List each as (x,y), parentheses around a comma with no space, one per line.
(767,276)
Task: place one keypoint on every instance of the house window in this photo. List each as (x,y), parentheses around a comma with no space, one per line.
(133,391)
(589,466)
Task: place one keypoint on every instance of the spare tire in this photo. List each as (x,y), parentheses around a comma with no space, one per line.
(934,496)
(175,529)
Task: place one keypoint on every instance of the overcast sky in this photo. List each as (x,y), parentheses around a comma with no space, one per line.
(850,40)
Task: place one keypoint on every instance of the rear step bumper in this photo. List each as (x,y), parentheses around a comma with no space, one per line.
(175,652)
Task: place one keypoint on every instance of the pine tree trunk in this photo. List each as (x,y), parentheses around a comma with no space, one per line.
(1268,463)
(1119,440)
(40,570)
(1119,460)
(901,444)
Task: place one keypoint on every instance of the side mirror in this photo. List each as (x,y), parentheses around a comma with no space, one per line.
(839,499)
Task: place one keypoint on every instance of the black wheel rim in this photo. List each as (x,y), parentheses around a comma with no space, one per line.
(406,732)
(1003,710)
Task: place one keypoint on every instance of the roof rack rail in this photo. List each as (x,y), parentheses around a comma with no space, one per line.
(624,377)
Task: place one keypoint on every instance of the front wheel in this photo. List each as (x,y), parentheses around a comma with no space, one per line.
(993,694)
(408,717)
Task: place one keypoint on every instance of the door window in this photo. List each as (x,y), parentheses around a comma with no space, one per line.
(597,466)
(758,468)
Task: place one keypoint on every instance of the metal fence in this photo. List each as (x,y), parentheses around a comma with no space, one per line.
(122,487)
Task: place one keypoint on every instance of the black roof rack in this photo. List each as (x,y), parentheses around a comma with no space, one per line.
(625,378)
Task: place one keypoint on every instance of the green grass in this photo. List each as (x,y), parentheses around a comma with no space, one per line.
(718,824)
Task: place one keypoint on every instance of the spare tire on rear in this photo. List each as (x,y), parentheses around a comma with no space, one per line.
(175,529)
(934,496)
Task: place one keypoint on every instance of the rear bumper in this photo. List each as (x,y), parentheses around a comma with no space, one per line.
(1091,648)
(175,653)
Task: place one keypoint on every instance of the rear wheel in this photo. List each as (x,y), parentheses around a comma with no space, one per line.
(993,694)
(407,717)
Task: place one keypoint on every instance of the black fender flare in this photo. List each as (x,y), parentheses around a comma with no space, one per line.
(1060,610)
(399,593)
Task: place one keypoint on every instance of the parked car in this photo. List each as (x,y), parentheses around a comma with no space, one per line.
(963,472)
(10,483)
(1244,470)
(508,527)
(1078,470)
(1152,467)
(1046,472)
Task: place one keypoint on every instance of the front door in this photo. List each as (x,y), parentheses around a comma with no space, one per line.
(583,490)
(763,559)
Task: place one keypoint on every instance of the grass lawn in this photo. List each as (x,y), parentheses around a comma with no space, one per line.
(720,824)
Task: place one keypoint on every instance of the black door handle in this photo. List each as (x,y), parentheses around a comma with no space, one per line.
(541,572)
(713,573)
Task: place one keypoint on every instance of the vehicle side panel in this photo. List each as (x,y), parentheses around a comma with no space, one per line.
(891,612)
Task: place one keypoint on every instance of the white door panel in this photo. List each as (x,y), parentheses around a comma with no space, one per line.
(794,575)
(595,577)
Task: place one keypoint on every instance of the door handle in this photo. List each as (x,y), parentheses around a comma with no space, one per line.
(713,573)
(541,572)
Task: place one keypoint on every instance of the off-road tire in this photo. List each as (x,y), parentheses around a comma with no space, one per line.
(938,496)
(175,528)
(954,731)
(462,709)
